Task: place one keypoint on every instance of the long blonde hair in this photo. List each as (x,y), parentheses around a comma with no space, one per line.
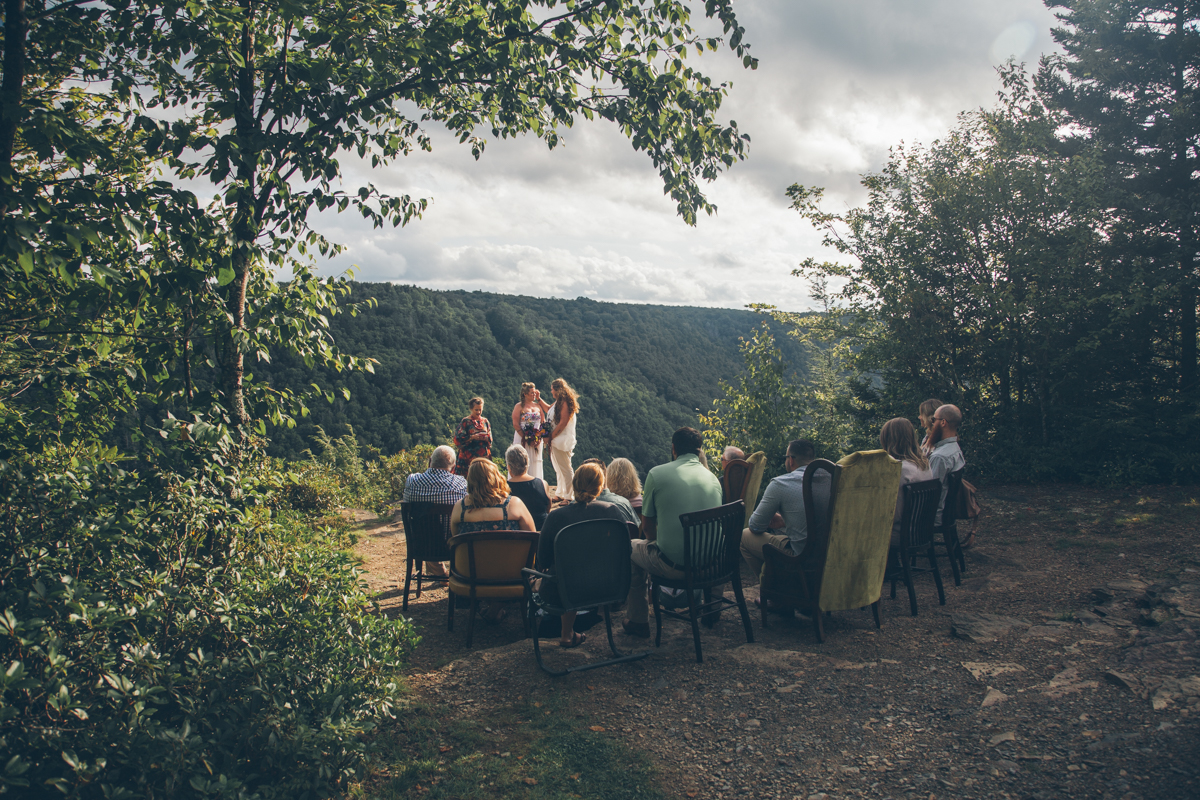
(566,397)
(485,485)
(623,478)
(899,439)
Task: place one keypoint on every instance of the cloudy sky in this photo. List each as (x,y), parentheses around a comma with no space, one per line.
(838,83)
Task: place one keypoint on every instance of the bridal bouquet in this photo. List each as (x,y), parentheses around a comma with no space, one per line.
(532,433)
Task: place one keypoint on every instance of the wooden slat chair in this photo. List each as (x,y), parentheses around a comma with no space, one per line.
(426,529)
(711,558)
(844,569)
(733,481)
(946,534)
(590,573)
(916,540)
(487,565)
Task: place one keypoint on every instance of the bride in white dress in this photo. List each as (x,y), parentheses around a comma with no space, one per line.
(563,416)
(530,413)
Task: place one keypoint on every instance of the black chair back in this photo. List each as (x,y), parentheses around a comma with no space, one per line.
(919,510)
(591,563)
(950,507)
(711,541)
(426,530)
(820,492)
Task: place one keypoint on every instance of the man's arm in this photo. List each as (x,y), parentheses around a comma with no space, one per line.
(649,511)
(760,520)
(649,528)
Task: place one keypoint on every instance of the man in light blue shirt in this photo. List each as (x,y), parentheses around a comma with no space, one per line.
(782,500)
(680,487)
(946,456)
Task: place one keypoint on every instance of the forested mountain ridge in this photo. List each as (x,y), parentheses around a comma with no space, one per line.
(641,371)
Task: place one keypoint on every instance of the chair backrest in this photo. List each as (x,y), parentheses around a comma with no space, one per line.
(780,581)
(919,510)
(860,528)
(953,487)
(750,490)
(711,541)
(426,530)
(591,563)
(733,482)
(492,557)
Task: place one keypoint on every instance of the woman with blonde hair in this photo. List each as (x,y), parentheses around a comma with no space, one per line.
(623,480)
(899,439)
(488,506)
(586,483)
(562,416)
(528,419)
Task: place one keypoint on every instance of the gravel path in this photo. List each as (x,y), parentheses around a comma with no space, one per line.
(1065,666)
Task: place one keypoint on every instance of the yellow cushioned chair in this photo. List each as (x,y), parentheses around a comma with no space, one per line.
(488,565)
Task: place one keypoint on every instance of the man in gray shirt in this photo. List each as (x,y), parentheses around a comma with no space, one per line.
(947,456)
(784,496)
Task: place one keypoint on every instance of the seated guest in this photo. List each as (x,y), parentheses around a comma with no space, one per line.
(925,413)
(532,491)
(946,456)
(783,496)
(436,485)
(731,453)
(680,487)
(607,496)
(586,485)
(622,479)
(899,439)
(488,506)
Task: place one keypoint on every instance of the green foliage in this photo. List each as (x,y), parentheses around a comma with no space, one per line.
(642,371)
(166,634)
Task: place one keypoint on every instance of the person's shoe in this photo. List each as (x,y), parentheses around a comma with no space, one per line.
(638,629)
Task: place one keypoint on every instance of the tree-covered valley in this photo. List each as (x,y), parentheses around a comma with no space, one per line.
(641,371)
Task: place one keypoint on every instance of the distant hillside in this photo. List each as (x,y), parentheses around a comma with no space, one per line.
(641,371)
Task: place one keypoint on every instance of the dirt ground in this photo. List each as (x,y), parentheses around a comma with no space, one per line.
(1064,666)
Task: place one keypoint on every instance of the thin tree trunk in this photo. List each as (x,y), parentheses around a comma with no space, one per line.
(16,30)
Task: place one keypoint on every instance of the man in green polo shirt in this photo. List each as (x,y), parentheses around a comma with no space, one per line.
(680,487)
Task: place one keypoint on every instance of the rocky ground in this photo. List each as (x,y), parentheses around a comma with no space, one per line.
(1064,666)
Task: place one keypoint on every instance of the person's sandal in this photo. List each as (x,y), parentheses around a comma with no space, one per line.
(576,640)
(638,629)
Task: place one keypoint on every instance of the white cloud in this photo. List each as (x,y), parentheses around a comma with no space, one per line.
(839,82)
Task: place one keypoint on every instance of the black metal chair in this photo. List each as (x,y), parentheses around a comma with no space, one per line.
(426,531)
(711,558)
(948,529)
(488,565)
(916,539)
(793,581)
(590,573)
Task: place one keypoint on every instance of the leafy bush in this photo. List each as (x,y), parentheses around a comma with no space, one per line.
(166,634)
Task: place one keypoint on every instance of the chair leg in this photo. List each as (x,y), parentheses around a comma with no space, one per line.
(420,570)
(744,611)
(818,624)
(958,551)
(908,582)
(612,645)
(713,616)
(471,619)
(658,620)
(407,581)
(946,543)
(937,576)
(694,615)
(875,613)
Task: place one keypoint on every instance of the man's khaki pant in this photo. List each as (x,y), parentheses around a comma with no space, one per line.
(752,548)
(645,559)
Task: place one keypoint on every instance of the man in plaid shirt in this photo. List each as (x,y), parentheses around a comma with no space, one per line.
(436,485)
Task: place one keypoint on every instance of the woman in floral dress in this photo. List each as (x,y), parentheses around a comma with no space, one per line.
(528,419)
(473,438)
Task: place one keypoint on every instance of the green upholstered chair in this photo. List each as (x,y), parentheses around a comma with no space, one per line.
(758,465)
(845,556)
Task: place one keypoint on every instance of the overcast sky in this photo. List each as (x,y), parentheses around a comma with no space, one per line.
(838,83)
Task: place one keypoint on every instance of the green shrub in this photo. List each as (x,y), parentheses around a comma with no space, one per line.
(164,633)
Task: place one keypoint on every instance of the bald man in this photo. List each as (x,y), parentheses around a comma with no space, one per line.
(946,456)
(731,453)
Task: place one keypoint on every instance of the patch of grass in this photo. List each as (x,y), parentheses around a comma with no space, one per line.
(1134,519)
(1065,616)
(535,749)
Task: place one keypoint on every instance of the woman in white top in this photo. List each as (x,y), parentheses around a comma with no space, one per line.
(899,439)
(562,439)
(528,416)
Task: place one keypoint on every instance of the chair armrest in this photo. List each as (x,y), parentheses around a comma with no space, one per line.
(534,573)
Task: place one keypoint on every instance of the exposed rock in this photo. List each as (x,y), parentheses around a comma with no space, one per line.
(993,697)
(1173,690)
(1124,680)
(1001,738)
(982,628)
(981,669)
(1067,682)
